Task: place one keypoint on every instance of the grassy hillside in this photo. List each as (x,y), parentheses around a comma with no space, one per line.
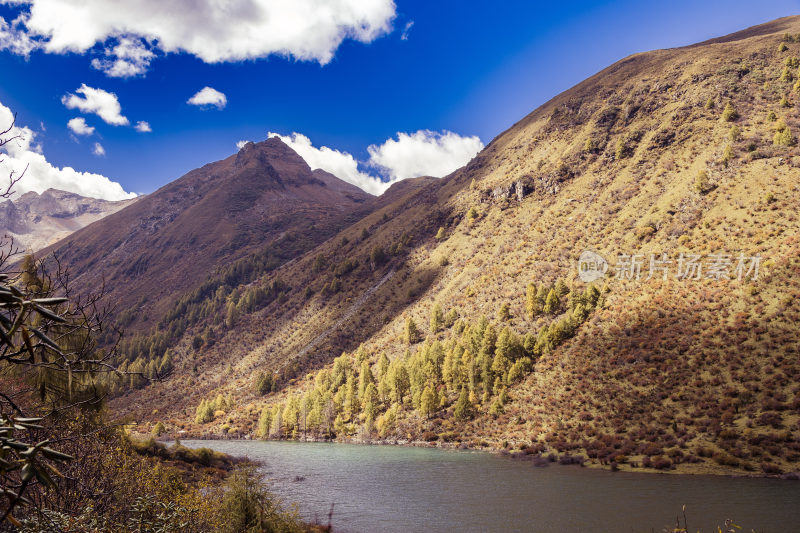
(686,151)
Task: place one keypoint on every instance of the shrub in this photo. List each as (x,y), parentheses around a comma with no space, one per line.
(771,468)
(784,102)
(727,154)
(782,47)
(710,103)
(159,429)
(771,116)
(247,505)
(441,234)
(783,137)
(701,184)
(263,384)
(734,134)
(729,114)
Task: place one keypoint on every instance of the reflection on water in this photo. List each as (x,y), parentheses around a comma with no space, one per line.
(395,489)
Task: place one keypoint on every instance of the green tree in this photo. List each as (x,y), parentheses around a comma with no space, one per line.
(428,401)
(400,382)
(701,183)
(729,114)
(264,422)
(365,378)
(504,314)
(552,304)
(159,429)
(441,234)
(437,318)
(263,383)
(370,402)
(463,409)
(412,335)
(531,302)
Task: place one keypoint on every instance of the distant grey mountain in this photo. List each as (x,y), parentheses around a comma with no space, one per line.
(36,221)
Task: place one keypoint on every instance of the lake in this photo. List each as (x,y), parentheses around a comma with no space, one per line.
(391,489)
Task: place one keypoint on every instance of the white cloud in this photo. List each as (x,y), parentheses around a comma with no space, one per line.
(98,150)
(424,153)
(42,175)
(129,58)
(143,127)
(79,126)
(16,39)
(406,29)
(341,164)
(214,31)
(240,144)
(102,103)
(207,97)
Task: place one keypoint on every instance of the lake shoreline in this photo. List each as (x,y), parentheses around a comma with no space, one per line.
(539,459)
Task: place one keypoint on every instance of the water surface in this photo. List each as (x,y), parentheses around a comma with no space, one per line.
(391,489)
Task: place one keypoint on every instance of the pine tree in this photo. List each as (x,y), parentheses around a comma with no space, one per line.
(552,304)
(412,333)
(370,402)
(531,307)
(427,401)
(437,318)
(505,312)
(264,422)
(383,365)
(400,382)
(365,378)
(463,408)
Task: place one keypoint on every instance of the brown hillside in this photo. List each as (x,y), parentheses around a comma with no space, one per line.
(682,151)
(263,199)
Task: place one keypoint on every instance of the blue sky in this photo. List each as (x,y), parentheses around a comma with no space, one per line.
(470,68)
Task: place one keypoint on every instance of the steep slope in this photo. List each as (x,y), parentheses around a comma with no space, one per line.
(683,152)
(35,221)
(264,200)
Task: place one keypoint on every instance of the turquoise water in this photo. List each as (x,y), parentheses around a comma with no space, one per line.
(397,489)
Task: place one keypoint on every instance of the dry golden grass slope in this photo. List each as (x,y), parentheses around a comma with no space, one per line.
(641,158)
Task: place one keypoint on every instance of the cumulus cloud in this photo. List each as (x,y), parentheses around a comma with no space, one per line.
(341,164)
(98,150)
(208,97)
(129,58)
(424,153)
(241,144)
(143,127)
(306,30)
(23,152)
(104,104)
(79,126)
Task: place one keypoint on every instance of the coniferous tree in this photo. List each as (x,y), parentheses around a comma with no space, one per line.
(552,304)
(264,422)
(437,318)
(531,302)
(428,401)
(365,378)
(463,408)
(411,333)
